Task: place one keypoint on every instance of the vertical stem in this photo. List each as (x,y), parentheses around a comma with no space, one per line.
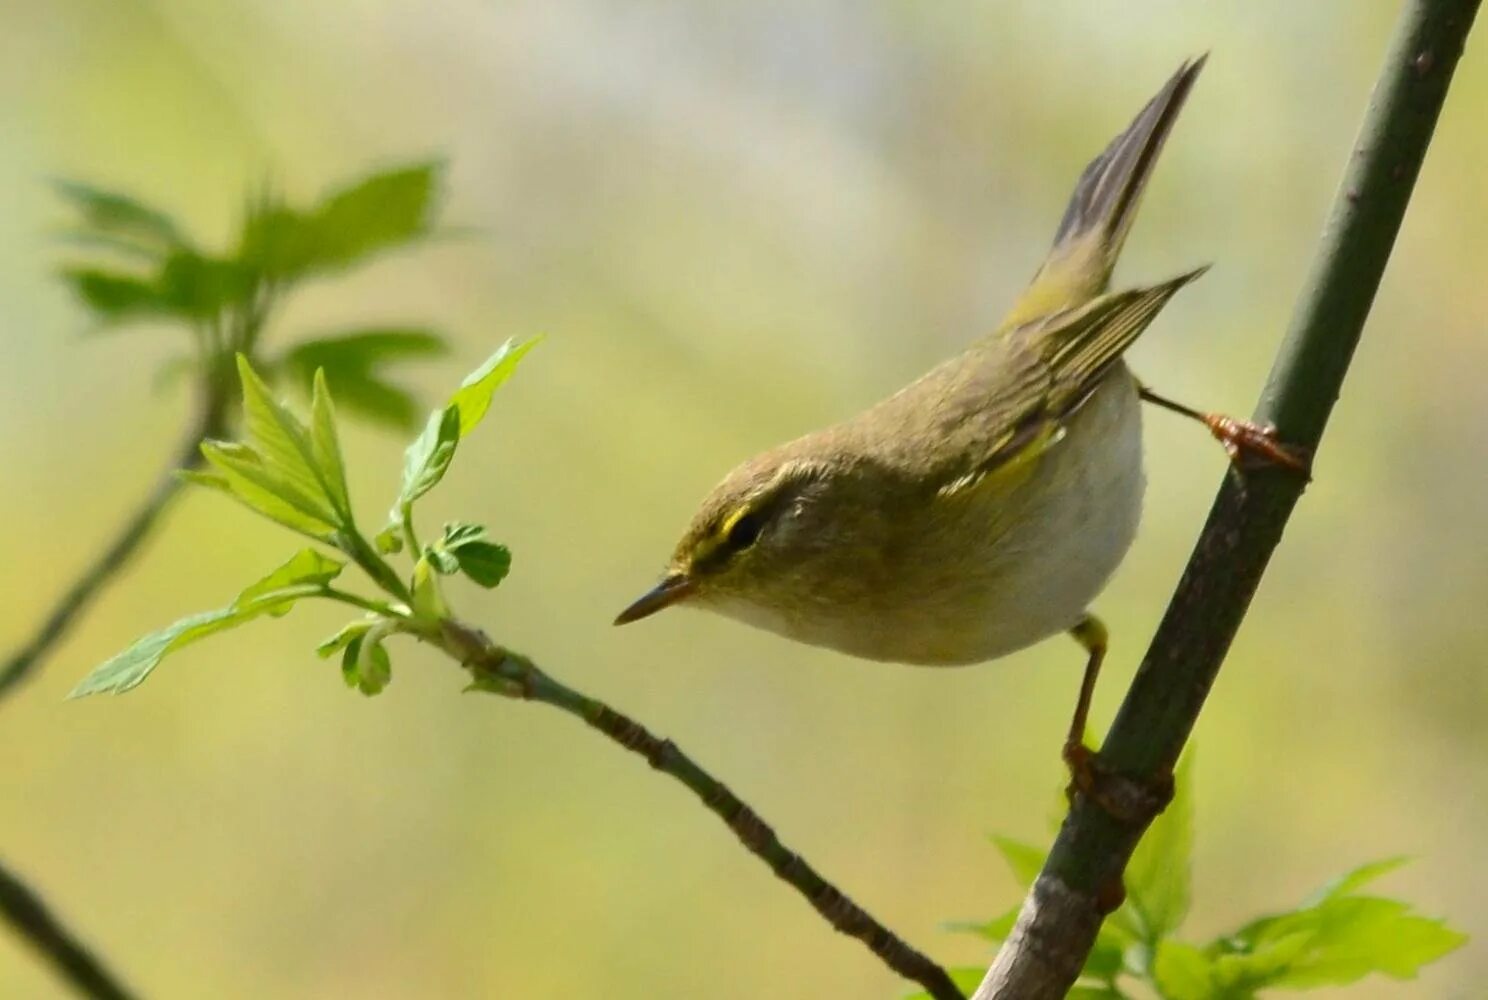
(69,608)
(1081,880)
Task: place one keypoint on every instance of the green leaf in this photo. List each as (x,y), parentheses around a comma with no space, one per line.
(307,567)
(1157,879)
(441,560)
(1350,937)
(376,213)
(120,216)
(114,297)
(1182,972)
(1024,860)
(463,547)
(239,472)
(425,461)
(325,446)
(351,362)
(474,395)
(1101,992)
(966,978)
(380,211)
(486,563)
(275,594)
(348,633)
(129,668)
(370,669)
(287,453)
(1347,883)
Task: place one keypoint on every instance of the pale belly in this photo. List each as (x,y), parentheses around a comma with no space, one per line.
(1008,568)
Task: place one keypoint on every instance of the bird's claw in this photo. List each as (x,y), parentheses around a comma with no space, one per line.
(1129,801)
(1249,443)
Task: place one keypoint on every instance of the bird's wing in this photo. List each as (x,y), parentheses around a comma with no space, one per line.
(1012,408)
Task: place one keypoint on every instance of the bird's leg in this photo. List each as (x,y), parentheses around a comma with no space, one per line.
(1242,439)
(1125,799)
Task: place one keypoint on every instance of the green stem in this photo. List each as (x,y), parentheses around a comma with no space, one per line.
(410,538)
(501,672)
(376,567)
(366,603)
(115,556)
(28,914)
(1081,880)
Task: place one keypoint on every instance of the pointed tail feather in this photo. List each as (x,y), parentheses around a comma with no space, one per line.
(1104,203)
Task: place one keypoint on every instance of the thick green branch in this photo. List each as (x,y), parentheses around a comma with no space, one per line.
(25,911)
(65,613)
(1082,878)
(502,672)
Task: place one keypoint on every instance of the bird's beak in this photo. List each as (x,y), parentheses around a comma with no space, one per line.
(672,588)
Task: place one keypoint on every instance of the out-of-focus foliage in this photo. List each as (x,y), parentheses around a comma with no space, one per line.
(1335,938)
(143,267)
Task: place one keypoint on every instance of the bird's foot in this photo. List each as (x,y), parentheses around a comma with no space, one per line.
(1130,801)
(1249,444)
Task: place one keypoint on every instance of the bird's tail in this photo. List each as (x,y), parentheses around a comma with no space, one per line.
(1104,203)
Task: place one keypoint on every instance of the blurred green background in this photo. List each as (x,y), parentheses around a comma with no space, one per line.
(735,221)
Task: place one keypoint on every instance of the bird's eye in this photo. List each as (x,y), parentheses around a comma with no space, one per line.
(744,530)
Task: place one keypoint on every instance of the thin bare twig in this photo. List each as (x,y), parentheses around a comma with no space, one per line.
(501,672)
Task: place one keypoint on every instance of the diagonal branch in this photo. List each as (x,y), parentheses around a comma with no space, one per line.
(91,581)
(25,911)
(1081,880)
(501,672)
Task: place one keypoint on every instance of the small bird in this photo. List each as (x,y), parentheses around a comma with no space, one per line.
(983,507)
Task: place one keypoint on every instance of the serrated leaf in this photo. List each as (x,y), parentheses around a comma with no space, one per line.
(1157,879)
(345,636)
(120,216)
(325,445)
(1024,860)
(239,472)
(474,395)
(275,594)
(286,452)
(427,458)
(1182,972)
(351,361)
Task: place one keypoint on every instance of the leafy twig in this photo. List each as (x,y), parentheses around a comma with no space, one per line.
(1081,882)
(32,920)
